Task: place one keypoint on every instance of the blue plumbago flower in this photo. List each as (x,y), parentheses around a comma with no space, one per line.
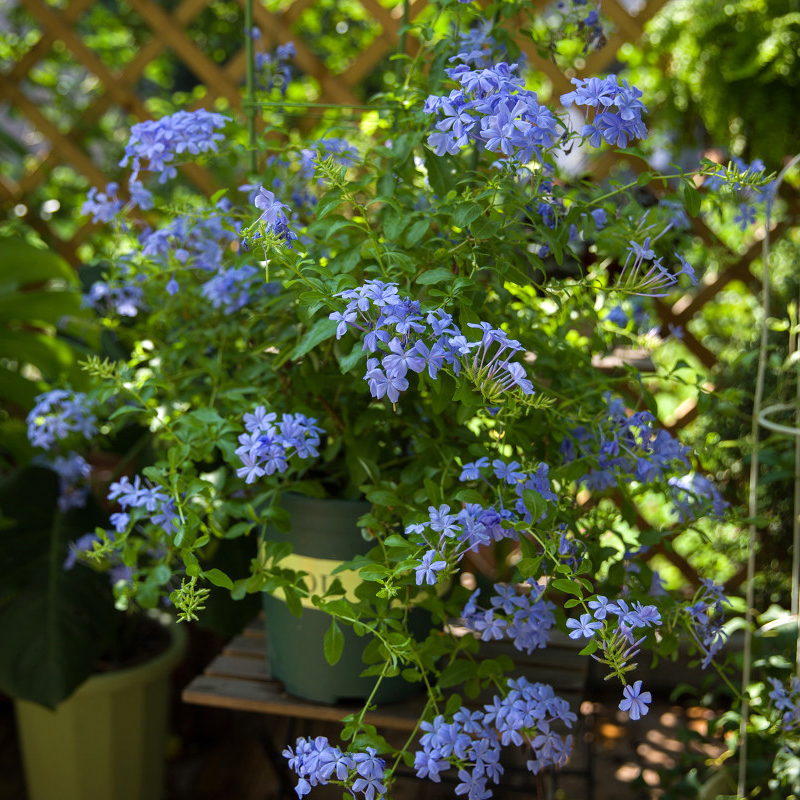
(273,216)
(635,701)
(103,206)
(745,217)
(694,495)
(786,699)
(516,614)
(266,447)
(678,218)
(585,626)
(618,317)
(705,619)
(405,339)
(654,279)
(158,505)
(427,569)
(616,110)
(472,743)
(492,110)
(58,413)
(155,144)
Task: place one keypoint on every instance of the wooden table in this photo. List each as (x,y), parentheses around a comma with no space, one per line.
(239,679)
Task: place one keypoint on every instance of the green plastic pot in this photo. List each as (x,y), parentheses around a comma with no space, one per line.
(324,533)
(107,740)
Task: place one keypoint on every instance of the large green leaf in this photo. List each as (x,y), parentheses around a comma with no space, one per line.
(38,290)
(54,623)
(22,264)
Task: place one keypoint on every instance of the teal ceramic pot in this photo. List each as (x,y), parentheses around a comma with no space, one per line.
(324,533)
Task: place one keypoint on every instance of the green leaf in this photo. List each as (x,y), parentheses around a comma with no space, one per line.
(394,224)
(382,497)
(346,363)
(327,204)
(484,227)
(692,199)
(466,213)
(374,572)
(535,503)
(217,196)
(469,496)
(333,643)
(22,264)
(321,330)
(54,623)
(458,672)
(567,586)
(218,578)
(528,566)
(438,275)
(416,232)
(644,179)
(293,601)
(443,172)
(589,649)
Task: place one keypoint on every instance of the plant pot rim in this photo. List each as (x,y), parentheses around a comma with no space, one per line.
(140,673)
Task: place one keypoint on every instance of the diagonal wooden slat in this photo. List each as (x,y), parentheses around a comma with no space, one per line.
(67,147)
(172,35)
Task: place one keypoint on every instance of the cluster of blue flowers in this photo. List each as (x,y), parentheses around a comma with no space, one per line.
(409,339)
(73,480)
(624,447)
(58,413)
(523,617)
(706,615)
(267,446)
(118,297)
(787,700)
(293,174)
(473,741)
(494,110)
(694,496)
(616,109)
(449,536)
(103,206)
(273,70)
(158,504)
(233,288)
(155,145)
(613,625)
(316,763)
(193,241)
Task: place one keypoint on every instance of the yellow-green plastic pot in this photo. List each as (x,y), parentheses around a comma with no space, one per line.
(107,740)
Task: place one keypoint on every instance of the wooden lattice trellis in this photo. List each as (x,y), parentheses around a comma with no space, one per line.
(168,31)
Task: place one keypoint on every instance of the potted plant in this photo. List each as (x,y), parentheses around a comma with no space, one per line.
(390,323)
(89,682)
